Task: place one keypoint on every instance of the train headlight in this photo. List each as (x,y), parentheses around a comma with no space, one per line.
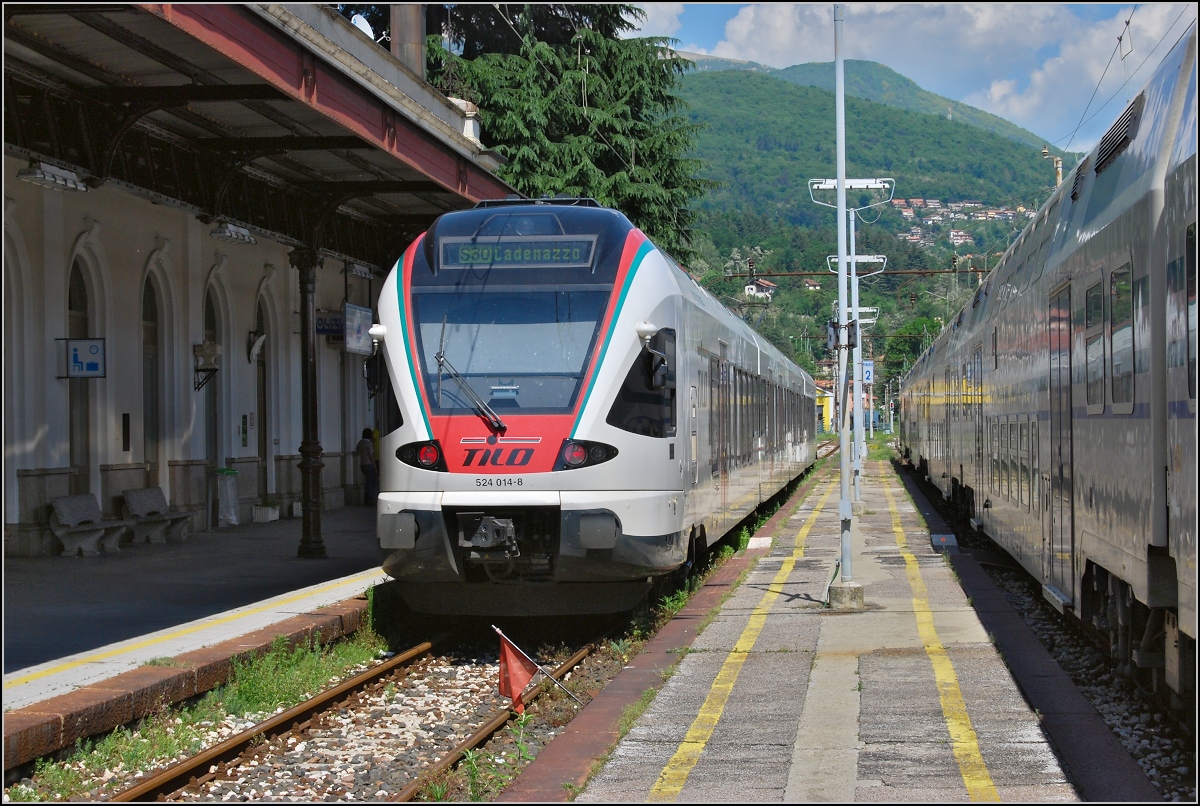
(576,453)
(424,455)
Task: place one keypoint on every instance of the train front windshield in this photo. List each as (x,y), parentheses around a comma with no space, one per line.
(507,305)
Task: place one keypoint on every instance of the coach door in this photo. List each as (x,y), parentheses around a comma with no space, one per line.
(1058,557)
(947,432)
(977,414)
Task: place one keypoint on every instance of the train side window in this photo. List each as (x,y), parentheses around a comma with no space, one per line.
(1093,323)
(1035,487)
(646,402)
(1120,339)
(1190,257)
(995,348)
(1024,460)
(994,444)
(1002,458)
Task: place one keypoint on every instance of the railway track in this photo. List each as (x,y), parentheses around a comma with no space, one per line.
(378,736)
(826,448)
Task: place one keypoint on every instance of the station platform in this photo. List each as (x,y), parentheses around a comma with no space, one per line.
(79,631)
(936,691)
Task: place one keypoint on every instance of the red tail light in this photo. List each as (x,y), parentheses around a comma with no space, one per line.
(577,453)
(428,455)
(574,454)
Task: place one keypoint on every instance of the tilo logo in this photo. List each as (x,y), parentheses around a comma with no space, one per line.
(517,457)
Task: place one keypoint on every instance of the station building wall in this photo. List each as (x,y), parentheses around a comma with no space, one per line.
(145,424)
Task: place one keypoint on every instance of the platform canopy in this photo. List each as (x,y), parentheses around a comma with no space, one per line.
(283,120)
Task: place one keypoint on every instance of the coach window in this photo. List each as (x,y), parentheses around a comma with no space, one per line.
(1120,339)
(1190,257)
(1093,323)
(1023,460)
(646,402)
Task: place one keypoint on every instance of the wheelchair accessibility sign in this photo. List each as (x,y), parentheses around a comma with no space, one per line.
(85,358)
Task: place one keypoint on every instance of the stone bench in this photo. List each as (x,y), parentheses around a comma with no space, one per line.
(152,521)
(77,522)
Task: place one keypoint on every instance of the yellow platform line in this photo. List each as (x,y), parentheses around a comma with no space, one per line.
(99,656)
(966,744)
(671,780)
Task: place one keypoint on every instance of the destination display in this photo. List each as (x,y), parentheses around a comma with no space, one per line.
(518,252)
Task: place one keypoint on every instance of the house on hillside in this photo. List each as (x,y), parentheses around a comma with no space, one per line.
(811,285)
(760,289)
(959,237)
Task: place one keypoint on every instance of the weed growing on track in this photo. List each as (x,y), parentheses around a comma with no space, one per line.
(278,679)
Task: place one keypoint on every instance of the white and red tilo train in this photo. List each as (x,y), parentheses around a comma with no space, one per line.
(574,415)
(1059,406)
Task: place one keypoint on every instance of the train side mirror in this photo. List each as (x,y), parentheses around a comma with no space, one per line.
(646,331)
(658,373)
(376,332)
(658,370)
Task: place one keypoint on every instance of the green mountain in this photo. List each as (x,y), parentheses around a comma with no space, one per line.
(767,132)
(765,137)
(875,82)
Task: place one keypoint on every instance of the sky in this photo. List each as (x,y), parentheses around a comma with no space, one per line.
(1056,69)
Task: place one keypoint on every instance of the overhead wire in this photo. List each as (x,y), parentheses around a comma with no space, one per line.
(1088,106)
(1083,119)
(1139,67)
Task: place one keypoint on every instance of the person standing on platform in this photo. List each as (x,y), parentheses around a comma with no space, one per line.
(366,460)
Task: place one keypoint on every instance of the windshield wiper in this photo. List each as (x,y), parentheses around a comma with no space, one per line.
(485,411)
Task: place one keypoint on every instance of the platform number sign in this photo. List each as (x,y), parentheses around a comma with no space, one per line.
(868,372)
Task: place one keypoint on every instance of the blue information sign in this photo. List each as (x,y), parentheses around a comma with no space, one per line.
(85,358)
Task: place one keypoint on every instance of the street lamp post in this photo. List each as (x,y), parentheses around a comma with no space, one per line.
(1046,155)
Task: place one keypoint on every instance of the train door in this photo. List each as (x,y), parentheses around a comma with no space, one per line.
(947,430)
(694,467)
(977,414)
(714,417)
(1058,556)
(723,426)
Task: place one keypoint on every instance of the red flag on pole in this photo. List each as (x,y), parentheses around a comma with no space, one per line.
(516,670)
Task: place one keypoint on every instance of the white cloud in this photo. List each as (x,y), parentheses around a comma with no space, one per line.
(1033,64)
(662,19)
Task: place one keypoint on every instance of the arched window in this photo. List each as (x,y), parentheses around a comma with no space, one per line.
(78,402)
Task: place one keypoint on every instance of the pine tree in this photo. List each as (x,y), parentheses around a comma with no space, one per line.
(596,116)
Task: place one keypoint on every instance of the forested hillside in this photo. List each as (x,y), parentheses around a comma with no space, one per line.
(762,138)
(872,81)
